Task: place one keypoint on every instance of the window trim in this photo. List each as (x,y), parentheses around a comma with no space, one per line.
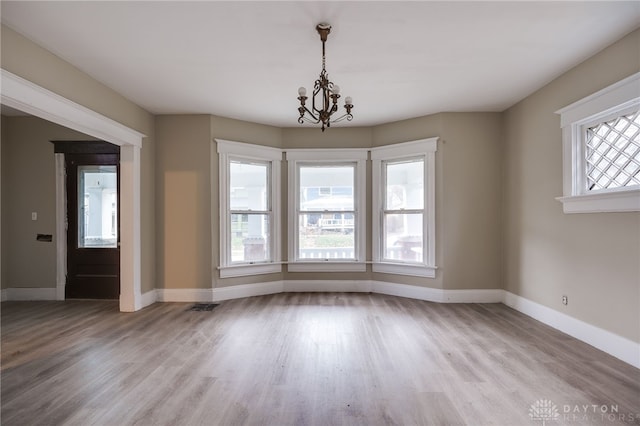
(296,157)
(609,102)
(228,151)
(425,148)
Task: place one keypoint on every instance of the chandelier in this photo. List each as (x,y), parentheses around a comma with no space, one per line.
(324,102)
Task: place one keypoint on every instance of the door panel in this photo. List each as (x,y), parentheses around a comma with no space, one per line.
(93,252)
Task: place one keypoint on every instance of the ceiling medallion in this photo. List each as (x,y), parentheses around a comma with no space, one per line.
(326,104)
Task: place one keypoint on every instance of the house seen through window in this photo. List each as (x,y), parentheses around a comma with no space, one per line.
(326,212)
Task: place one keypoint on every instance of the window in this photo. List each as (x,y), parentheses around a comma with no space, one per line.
(327,210)
(249,209)
(601,150)
(403,208)
(97,206)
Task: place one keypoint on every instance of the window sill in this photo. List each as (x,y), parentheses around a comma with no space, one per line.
(620,201)
(327,266)
(251,269)
(405,269)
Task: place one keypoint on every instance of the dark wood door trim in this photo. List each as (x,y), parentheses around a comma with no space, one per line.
(84,147)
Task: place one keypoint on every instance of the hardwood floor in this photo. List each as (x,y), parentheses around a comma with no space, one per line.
(303,359)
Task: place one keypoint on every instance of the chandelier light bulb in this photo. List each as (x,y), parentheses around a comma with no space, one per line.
(302,91)
(348,100)
(336,89)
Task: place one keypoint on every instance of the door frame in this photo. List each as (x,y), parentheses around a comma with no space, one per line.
(64,148)
(36,100)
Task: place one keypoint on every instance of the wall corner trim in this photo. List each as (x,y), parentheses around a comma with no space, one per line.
(148,298)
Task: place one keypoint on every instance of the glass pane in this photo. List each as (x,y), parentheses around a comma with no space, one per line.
(610,147)
(326,187)
(403,237)
(405,185)
(249,237)
(248,186)
(326,236)
(97,206)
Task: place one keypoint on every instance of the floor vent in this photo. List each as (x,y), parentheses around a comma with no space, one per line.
(200,307)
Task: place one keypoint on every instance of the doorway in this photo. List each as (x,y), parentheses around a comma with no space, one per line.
(37,100)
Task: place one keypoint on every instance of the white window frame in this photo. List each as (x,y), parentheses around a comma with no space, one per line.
(229,151)
(298,157)
(608,103)
(425,148)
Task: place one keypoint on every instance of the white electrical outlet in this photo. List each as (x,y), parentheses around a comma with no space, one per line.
(34,215)
(565,300)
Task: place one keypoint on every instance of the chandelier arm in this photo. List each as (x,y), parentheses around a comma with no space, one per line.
(347,117)
(312,115)
(305,119)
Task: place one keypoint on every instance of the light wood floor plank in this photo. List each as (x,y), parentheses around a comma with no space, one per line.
(300,359)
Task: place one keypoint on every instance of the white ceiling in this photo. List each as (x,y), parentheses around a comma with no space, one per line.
(397,60)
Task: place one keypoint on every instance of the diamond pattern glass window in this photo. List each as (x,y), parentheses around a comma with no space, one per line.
(613,153)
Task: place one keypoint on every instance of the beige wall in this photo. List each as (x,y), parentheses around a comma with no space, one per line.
(182,202)
(24,58)
(28,185)
(592,258)
(470,215)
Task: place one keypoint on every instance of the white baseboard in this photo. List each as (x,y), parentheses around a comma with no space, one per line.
(437,294)
(359,286)
(247,290)
(184,295)
(341,286)
(149,298)
(3,295)
(29,293)
(613,344)
(404,290)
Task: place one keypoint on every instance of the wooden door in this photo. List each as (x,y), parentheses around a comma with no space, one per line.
(93,234)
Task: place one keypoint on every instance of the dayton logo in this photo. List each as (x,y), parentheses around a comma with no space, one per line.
(543,410)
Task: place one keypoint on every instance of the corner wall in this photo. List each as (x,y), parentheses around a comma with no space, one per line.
(592,258)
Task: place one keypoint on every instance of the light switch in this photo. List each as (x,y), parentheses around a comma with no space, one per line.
(34,215)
